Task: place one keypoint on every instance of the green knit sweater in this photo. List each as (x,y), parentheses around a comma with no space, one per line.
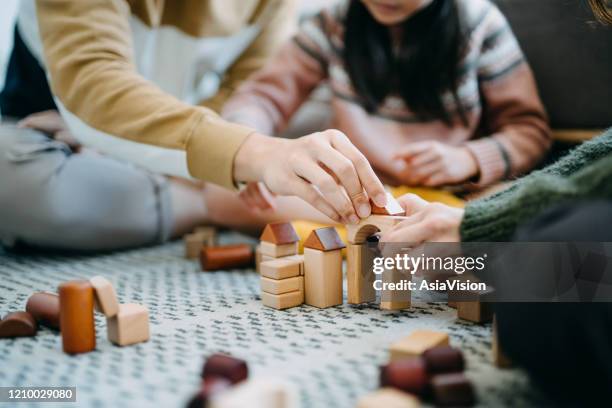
(585,172)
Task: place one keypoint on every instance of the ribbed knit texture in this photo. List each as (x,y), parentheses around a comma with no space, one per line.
(585,172)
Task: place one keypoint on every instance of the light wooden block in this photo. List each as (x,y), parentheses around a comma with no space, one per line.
(358,233)
(193,245)
(281,268)
(208,235)
(359,275)
(259,258)
(283,301)
(105,297)
(322,277)
(477,312)
(129,326)
(388,398)
(280,286)
(395,299)
(258,393)
(298,258)
(416,343)
(277,251)
(499,358)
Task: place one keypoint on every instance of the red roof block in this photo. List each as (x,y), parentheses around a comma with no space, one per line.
(324,239)
(392,207)
(279,233)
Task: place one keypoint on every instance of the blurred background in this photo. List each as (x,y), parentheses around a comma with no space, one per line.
(7,19)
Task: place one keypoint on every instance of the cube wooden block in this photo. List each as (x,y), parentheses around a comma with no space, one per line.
(129,326)
(388,398)
(104,295)
(395,299)
(280,286)
(207,234)
(322,277)
(499,358)
(477,312)
(359,275)
(277,251)
(416,343)
(193,245)
(280,268)
(259,258)
(283,301)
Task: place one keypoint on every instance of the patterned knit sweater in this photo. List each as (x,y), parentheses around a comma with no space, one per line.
(585,173)
(507,132)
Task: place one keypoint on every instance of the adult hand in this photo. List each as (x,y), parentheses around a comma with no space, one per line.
(425,222)
(434,164)
(51,123)
(256,195)
(323,168)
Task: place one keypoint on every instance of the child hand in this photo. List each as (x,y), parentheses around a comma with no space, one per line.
(434,164)
(257,196)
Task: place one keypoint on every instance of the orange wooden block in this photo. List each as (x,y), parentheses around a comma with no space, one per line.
(77,317)
(129,326)
(392,207)
(324,239)
(416,343)
(283,301)
(279,233)
(280,286)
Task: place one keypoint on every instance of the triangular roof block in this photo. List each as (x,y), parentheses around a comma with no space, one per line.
(392,207)
(279,233)
(324,239)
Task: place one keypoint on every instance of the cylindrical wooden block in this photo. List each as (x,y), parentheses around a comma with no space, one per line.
(444,359)
(45,308)
(407,374)
(77,317)
(226,257)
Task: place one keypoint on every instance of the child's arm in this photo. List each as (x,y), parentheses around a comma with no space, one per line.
(268,99)
(513,113)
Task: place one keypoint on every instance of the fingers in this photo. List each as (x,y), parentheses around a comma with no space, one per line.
(413,233)
(368,179)
(436,180)
(412,203)
(416,175)
(309,193)
(412,149)
(423,159)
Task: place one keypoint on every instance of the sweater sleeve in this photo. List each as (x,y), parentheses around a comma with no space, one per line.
(109,106)
(269,98)
(584,173)
(514,117)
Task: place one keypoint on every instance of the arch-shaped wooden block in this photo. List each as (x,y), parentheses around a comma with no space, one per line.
(358,233)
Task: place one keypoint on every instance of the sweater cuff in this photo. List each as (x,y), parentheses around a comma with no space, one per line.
(211,150)
(493,163)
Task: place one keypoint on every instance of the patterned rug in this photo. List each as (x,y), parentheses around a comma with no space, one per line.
(331,355)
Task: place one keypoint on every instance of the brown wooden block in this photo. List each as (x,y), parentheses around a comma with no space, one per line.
(279,233)
(210,388)
(444,359)
(499,358)
(322,277)
(416,343)
(18,324)
(359,275)
(477,312)
(453,390)
(226,257)
(283,301)
(77,317)
(129,326)
(324,239)
(278,251)
(452,303)
(408,375)
(392,207)
(45,308)
(281,268)
(280,286)
(358,233)
(222,365)
(105,297)
(388,398)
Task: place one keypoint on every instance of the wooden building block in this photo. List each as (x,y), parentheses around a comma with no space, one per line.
(281,268)
(129,326)
(18,324)
(395,299)
(322,277)
(258,256)
(208,235)
(226,257)
(45,308)
(77,316)
(231,368)
(359,275)
(388,398)
(105,297)
(452,303)
(258,393)
(453,390)
(278,251)
(279,233)
(392,207)
(444,359)
(416,343)
(280,286)
(358,233)
(499,358)
(408,375)
(477,312)
(299,259)
(324,239)
(283,301)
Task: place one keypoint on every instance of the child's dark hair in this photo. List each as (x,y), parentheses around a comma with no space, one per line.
(422,70)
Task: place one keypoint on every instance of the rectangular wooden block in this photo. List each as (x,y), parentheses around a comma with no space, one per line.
(193,245)
(208,235)
(280,268)
(277,251)
(416,343)
(298,258)
(476,311)
(259,258)
(499,358)
(129,326)
(105,297)
(395,299)
(280,286)
(388,398)
(322,277)
(283,301)
(359,275)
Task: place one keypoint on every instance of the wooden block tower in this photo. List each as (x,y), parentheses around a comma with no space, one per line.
(278,240)
(323,268)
